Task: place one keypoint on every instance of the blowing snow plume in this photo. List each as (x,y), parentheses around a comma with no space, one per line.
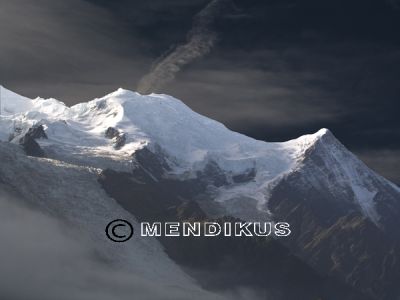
(199,41)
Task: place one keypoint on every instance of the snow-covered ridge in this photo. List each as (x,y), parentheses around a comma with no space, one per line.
(161,119)
(77,135)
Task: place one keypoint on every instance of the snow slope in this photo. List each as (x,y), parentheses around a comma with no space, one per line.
(71,195)
(161,119)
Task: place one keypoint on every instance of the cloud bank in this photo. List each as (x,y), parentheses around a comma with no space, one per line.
(42,259)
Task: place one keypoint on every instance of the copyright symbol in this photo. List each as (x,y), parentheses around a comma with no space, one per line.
(119,231)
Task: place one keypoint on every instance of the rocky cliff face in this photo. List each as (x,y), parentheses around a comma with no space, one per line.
(331,231)
(344,218)
(220,263)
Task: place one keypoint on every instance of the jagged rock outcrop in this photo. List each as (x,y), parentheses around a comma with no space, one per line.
(212,174)
(30,146)
(37,132)
(151,161)
(111,133)
(118,137)
(244,177)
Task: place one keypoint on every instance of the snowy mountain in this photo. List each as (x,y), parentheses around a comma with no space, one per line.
(312,182)
(190,142)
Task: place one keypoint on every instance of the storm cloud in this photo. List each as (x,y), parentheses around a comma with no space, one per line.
(280,69)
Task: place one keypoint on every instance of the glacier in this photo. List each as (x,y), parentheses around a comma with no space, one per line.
(76,135)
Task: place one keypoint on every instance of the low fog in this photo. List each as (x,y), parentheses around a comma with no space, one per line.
(41,258)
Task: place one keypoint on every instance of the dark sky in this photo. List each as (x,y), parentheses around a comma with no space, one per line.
(277,69)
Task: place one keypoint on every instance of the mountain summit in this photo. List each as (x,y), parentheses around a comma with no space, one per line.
(190,143)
